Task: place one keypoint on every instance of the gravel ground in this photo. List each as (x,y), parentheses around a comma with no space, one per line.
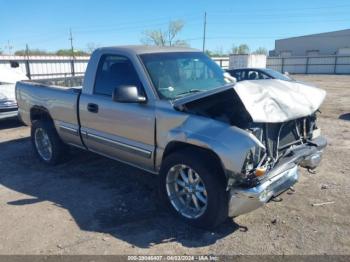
(93,205)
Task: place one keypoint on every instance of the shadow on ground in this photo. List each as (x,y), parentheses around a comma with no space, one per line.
(102,196)
(345,116)
(10,123)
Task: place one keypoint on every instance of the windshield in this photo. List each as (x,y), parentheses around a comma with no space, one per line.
(277,75)
(178,74)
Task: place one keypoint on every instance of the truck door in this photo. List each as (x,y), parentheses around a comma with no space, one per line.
(123,131)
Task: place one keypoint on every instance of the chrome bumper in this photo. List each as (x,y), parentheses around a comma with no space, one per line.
(244,200)
(282,177)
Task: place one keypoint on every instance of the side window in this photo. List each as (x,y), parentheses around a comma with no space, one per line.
(236,74)
(244,75)
(263,76)
(114,71)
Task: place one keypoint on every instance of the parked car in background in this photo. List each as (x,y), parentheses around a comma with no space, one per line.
(9,75)
(220,148)
(257,74)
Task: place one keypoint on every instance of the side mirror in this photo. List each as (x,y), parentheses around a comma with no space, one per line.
(127,94)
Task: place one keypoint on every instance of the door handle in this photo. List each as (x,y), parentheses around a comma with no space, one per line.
(93,108)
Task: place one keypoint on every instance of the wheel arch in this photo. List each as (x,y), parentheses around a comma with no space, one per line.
(174,146)
(40,113)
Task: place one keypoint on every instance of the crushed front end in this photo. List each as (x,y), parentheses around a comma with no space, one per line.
(270,170)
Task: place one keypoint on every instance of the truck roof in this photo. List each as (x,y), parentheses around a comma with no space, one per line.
(146,49)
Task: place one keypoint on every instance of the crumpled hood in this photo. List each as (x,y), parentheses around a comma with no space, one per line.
(269,101)
(273,101)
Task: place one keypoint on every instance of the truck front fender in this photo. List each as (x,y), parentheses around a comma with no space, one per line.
(229,143)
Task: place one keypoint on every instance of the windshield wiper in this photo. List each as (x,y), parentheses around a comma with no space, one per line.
(189,92)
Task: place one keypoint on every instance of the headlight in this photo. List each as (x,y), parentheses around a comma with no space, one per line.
(248,164)
(254,157)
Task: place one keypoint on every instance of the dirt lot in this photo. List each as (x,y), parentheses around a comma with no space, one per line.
(92,205)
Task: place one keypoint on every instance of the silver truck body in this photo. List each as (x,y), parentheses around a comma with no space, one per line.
(140,134)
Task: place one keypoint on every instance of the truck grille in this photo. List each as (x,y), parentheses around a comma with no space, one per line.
(280,136)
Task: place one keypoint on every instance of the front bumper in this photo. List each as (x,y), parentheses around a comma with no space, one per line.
(279,179)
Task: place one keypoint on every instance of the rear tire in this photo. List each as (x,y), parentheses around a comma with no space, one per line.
(47,144)
(211,207)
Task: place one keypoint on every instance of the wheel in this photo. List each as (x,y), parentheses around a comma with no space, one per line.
(47,144)
(191,186)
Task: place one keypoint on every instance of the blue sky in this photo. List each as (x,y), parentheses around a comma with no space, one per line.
(45,24)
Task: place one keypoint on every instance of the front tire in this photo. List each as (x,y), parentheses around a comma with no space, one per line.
(192,186)
(47,144)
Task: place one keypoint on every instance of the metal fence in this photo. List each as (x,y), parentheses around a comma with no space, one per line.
(311,64)
(51,67)
(47,67)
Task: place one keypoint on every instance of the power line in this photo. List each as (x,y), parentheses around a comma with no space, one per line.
(282,22)
(163,20)
(283,15)
(119,28)
(234,36)
(280,10)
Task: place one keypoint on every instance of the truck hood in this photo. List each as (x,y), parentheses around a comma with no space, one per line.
(269,101)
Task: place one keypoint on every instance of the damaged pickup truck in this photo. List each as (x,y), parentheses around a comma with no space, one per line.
(220,148)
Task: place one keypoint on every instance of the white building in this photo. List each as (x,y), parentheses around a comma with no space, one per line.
(330,43)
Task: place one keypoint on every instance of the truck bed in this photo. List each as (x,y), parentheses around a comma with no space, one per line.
(60,101)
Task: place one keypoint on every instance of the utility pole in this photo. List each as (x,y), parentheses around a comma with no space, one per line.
(27,51)
(72,50)
(204,29)
(9,47)
(27,62)
(71,41)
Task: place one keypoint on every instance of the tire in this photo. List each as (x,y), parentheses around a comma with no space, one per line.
(216,207)
(58,150)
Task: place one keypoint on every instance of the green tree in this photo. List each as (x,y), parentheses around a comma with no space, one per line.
(166,37)
(68,52)
(209,53)
(217,52)
(260,51)
(32,52)
(242,49)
